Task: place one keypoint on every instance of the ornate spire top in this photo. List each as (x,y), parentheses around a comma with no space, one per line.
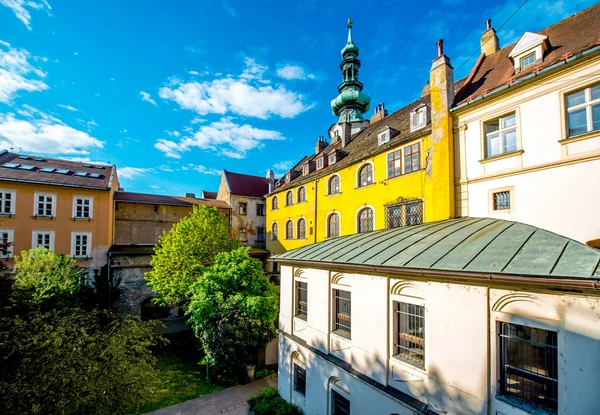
(349,29)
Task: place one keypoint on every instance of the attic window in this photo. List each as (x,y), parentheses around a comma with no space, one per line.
(320,163)
(305,169)
(528,60)
(332,158)
(529,50)
(419,117)
(383,137)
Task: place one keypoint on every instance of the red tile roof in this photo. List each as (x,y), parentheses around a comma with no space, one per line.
(43,170)
(148,198)
(571,36)
(246,185)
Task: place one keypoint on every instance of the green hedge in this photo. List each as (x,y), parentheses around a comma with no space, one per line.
(268,402)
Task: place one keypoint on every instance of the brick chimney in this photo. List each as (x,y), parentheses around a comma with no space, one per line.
(346,135)
(321,144)
(489,41)
(379,114)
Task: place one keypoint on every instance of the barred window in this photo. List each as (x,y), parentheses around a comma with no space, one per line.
(529,365)
(274,203)
(289,198)
(410,333)
(365,175)
(365,220)
(289,230)
(334,185)
(342,315)
(274,232)
(301,234)
(412,158)
(583,110)
(333,225)
(299,379)
(404,214)
(502,200)
(302,194)
(301,300)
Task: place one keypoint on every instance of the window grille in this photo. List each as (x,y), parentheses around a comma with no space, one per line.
(289,230)
(404,214)
(501,135)
(334,185)
(410,332)
(300,380)
(502,200)
(301,229)
(342,315)
(365,220)
(302,194)
(339,404)
(289,198)
(301,300)
(412,158)
(365,175)
(333,225)
(583,110)
(528,365)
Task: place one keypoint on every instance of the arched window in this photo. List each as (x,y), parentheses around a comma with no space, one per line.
(289,229)
(334,185)
(365,220)
(302,194)
(301,233)
(365,175)
(333,225)
(289,198)
(274,203)
(340,396)
(274,232)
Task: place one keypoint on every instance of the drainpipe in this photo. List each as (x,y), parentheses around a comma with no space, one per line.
(316,205)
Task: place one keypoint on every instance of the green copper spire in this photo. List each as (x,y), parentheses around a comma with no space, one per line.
(351,103)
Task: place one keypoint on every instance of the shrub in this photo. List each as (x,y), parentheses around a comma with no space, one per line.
(268,402)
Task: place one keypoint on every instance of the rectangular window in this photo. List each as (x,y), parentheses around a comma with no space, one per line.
(81,244)
(404,214)
(502,200)
(43,238)
(410,333)
(7,239)
(412,158)
(528,365)
(44,205)
(260,209)
(583,111)
(320,163)
(383,138)
(243,208)
(7,202)
(501,135)
(527,60)
(300,379)
(260,234)
(301,300)
(394,163)
(82,207)
(339,404)
(332,159)
(342,315)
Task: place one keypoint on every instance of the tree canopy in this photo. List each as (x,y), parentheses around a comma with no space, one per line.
(183,253)
(233,311)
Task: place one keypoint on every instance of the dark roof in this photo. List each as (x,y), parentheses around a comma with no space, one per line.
(209,195)
(43,170)
(246,185)
(151,199)
(572,35)
(478,245)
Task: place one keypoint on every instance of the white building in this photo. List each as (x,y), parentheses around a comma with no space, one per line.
(527,130)
(464,316)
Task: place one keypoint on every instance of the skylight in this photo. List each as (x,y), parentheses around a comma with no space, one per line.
(11,165)
(100,167)
(48,169)
(24,157)
(62,171)
(88,165)
(26,167)
(81,173)
(38,159)
(94,175)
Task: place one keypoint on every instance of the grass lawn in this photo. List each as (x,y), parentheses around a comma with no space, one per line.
(181,379)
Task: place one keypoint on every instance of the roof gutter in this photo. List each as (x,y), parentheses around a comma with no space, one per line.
(529,77)
(7,179)
(571,283)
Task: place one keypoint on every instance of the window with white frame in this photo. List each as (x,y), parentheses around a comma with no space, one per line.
(7,239)
(501,135)
(7,202)
(289,229)
(365,220)
(302,194)
(365,175)
(82,207)
(383,137)
(528,364)
(289,198)
(333,186)
(81,244)
(44,239)
(301,232)
(44,205)
(409,332)
(583,111)
(502,200)
(527,60)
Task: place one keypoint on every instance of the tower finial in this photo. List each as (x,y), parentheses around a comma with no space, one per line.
(349,29)
(350,22)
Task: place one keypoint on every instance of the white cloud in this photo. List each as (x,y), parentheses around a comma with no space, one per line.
(146,97)
(68,107)
(19,8)
(229,9)
(166,168)
(198,120)
(194,73)
(172,133)
(113,79)
(123,131)
(224,136)
(283,165)
(204,170)
(153,186)
(133,172)
(76,53)
(294,72)
(43,133)
(97,94)
(247,94)
(16,73)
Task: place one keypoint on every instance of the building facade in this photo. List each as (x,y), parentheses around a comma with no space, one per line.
(62,205)
(392,170)
(463,316)
(527,125)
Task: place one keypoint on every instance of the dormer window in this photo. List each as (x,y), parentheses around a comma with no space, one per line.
(419,117)
(305,169)
(384,137)
(527,60)
(528,51)
(332,158)
(321,162)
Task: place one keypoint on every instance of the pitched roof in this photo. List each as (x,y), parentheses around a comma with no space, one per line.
(55,172)
(573,35)
(209,195)
(151,199)
(476,245)
(246,185)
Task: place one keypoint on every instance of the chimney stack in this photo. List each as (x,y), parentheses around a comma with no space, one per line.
(379,114)
(321,144)
(271,180)
(192,195)
(489,40)
(346,133)
(440,47)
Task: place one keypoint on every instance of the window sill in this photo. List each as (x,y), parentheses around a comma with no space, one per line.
(366,185)
(402,175)
(82,219)
(300,318)
(530,409)
(342,335)
(580,137)
(501,156)
(408,363)
(44,217)
(82,258)
(299,203)
(333,194)
(7,215)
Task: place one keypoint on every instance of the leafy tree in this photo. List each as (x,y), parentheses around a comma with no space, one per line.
(233,312)
(183,253)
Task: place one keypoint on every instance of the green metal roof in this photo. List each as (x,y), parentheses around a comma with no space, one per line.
(480,245)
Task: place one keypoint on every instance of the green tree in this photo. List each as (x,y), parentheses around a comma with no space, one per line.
(233,312)
(183,253)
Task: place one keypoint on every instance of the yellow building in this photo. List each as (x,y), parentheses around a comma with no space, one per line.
(62,205)
(394,170)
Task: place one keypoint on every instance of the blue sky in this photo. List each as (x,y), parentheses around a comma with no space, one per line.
(174,91)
